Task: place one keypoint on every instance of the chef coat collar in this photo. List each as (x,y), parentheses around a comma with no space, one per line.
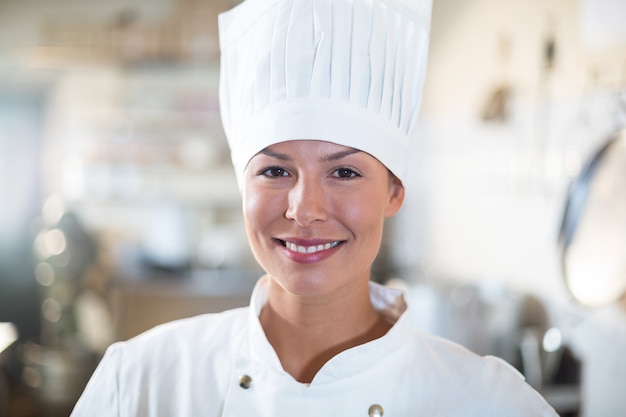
(390,302)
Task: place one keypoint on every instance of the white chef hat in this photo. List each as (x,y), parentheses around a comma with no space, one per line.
(343,71)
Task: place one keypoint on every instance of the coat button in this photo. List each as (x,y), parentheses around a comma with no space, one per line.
(245,381)
(376,411)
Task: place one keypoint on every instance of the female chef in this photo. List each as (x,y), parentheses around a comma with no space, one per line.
(318,98)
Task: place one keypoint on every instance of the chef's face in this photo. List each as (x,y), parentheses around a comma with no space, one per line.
(314,213)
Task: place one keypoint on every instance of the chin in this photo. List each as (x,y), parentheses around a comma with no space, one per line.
(309,281)
(305,284)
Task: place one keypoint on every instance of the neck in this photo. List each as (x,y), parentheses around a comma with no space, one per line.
(306,332)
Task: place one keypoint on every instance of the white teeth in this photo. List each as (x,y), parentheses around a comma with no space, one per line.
(309,249)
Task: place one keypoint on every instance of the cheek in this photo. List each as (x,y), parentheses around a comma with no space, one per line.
(260,208)
(254,219)
(252,210)
(365,212)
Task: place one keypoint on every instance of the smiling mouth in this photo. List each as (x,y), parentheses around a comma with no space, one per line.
(309,249)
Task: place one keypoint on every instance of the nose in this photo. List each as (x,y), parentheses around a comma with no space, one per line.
(308,202)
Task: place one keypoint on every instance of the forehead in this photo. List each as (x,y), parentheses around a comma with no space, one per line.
(326,151)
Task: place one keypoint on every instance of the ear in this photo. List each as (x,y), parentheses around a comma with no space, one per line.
(396,196)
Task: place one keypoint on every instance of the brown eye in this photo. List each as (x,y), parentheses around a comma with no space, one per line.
(345,173)
(274,172)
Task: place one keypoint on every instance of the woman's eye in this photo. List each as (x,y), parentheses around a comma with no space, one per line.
(345,173)
(274,172)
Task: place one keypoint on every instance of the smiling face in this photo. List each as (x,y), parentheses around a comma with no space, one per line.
(314,214)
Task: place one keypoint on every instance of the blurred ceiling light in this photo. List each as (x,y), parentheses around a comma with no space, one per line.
(53,209)
(51,310)
(44,274)
(55,241)
(50,243)
(40,245)
(594,276)
(552,340)
(8,335)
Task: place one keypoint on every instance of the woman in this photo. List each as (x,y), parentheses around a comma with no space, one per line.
(318,100)
(314,213)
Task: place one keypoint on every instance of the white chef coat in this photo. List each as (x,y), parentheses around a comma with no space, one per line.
(194,367)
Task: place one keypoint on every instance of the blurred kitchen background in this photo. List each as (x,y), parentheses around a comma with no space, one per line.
(119,209)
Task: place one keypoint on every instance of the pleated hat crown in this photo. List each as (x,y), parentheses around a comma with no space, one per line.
(344,71)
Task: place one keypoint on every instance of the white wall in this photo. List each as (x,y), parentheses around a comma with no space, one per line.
(466,56)
(486,198)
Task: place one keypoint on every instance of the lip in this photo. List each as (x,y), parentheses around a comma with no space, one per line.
(323,249)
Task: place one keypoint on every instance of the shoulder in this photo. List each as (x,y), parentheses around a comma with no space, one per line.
(200,328)
(449,354)
(489,383)
(136,375)
(205,337)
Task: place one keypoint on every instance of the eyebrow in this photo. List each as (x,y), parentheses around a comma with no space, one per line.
(326,158)
(276,155)
(339,155)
